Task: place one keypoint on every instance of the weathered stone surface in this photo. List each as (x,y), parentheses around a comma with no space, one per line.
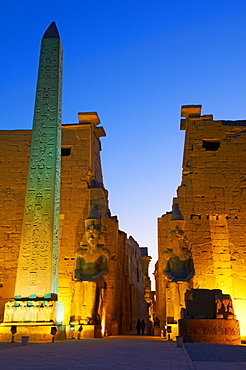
(219,331)
(212,200)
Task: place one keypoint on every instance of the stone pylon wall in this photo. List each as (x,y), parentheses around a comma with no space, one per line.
(81,187)
(14,166)
(212,199)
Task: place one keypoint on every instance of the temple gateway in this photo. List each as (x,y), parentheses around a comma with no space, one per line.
(66,269)
(202,240)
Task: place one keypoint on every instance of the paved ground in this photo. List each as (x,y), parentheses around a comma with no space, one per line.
(216,356)
(123,352)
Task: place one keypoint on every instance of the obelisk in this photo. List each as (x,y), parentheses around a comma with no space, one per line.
(37,274)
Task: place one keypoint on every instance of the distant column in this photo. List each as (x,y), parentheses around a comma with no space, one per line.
(37,272)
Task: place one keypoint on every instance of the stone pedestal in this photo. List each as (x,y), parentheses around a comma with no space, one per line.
(89,331)
(172,331)
(39,332)
(33,312)
(221,331)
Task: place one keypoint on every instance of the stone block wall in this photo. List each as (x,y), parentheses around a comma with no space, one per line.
(212,200)
(15,147)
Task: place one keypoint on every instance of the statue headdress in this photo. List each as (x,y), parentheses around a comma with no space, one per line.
(177,218)
(94,218)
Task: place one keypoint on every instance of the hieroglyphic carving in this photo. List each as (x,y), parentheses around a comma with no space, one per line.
(220,327)
(37,267)
(32,311)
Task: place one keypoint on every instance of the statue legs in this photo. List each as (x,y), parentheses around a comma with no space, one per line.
(176,298)
(84,299)
(183,286)
(173,301)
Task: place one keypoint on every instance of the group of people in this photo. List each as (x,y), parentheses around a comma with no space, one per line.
(140,326)
(149,325)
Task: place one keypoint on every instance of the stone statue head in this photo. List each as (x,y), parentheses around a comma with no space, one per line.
(177,233)
(94,219)
(93,237)
(177,237)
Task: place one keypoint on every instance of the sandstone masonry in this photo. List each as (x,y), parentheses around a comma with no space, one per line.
(212,199)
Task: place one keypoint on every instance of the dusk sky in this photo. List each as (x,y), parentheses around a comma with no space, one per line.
(135,63)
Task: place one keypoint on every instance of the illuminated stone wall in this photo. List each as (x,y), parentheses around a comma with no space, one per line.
(81,187)
(15,147)
(137,282)
(212,199)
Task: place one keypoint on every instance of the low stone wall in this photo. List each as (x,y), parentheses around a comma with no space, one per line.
(219,331)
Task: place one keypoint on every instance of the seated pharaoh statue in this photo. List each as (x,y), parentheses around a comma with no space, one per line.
(91,264)
(179,267)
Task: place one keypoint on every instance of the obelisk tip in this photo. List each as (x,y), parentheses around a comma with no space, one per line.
(51,32)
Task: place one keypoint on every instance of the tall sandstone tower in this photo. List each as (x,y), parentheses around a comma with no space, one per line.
(212,199)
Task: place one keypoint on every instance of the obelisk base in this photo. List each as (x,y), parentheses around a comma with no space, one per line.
(38,332)
(41,332)
(33,312)
(33,319)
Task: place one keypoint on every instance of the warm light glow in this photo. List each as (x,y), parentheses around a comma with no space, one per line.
(103,325)
(59,312)
(240,312)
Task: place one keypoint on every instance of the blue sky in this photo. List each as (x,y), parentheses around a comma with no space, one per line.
(135,63)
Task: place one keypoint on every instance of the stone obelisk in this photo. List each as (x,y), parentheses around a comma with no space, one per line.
(37,274)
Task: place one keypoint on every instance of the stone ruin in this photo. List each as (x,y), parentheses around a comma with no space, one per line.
(209,317)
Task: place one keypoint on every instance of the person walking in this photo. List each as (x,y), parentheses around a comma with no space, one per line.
(138,326)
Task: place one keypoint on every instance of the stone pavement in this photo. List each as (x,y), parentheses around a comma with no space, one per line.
(216,356)
(122,352)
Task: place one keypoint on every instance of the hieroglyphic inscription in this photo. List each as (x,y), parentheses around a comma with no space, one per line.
(37,266)
(214,330)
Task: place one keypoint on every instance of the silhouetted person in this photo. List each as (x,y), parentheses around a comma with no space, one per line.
(138,326)
(142,325)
